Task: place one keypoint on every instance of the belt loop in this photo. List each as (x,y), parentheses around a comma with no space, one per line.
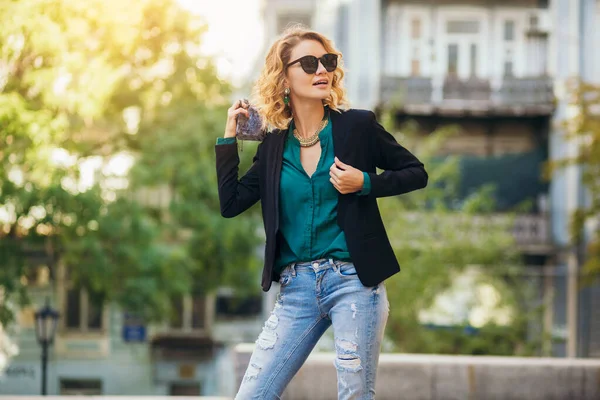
(293,268)
(333,264)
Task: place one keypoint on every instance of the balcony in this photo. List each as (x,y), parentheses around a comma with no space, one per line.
(486,3)
(531,232)
(479,97)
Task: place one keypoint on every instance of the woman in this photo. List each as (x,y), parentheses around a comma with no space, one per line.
(315,175)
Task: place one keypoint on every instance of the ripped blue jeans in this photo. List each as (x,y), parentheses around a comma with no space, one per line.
(313,296)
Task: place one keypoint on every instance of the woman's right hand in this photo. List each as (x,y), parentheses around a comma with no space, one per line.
(239,107)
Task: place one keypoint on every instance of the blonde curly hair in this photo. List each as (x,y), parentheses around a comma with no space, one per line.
(267,94)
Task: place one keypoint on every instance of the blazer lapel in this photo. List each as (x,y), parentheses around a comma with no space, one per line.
(340,130)
(279,139)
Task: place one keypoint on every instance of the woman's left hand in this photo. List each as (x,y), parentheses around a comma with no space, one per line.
(345,178)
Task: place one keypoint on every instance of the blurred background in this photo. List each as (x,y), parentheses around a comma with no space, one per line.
(114,256)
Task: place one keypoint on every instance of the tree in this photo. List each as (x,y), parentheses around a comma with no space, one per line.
(438,238)
(583,127)
(92,82)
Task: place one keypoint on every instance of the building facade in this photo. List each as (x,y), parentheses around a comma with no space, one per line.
(100,349)
(498,70)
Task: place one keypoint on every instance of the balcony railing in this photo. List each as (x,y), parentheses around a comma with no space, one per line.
(425,96)
(531,232)
(484,3)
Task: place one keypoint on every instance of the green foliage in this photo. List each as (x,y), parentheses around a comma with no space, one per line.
(436,239)
(583,127)
(81,83)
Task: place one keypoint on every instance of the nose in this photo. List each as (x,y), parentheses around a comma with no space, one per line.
(320,68)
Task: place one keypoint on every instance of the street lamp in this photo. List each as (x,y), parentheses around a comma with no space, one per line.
(45,328)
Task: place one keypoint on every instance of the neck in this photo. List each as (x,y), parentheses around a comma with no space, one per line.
(308,117)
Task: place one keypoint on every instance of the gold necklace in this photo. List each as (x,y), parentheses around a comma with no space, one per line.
(309,141)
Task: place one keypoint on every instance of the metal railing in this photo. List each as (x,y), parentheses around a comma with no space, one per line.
(513,96)
(531,232)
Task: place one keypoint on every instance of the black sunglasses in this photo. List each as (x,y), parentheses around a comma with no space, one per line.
(310,64)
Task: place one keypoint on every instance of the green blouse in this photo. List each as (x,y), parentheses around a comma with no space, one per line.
(308,205)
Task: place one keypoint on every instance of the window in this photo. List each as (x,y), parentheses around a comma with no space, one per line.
(73,314)
(94,310)
(177,313)
(228,305)
(415,28)
(508,68)
(80,387)
(184,389)
(415,65)
(36,276)
(473,59)
(452,59)
(533,22)
(462,27)
(199,312)
(83,311)
(508,64)
(415,68)
(189,313)
(509,31)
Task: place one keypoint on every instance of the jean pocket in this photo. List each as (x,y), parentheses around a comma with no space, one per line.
(346,269)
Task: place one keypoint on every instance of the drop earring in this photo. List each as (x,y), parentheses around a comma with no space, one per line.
(286,97)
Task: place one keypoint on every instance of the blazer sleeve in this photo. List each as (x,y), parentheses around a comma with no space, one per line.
(236,196)
(403,172)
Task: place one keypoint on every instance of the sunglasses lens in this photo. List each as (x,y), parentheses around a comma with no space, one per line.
(329,62)
(309,64)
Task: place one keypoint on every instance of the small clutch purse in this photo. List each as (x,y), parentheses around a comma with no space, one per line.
(249,128)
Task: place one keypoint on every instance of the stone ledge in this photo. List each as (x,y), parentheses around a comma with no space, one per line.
(69,397)
(437,377)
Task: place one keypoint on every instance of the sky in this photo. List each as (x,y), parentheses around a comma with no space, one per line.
(235,34)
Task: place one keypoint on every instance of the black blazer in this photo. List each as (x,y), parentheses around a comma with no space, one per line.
(358,140)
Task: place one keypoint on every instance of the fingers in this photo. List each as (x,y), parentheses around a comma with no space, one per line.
(240,103)
(236,109)
(333,171)
(337,186)
(240,106)
(335,179)
(235,105)
(344,180)
(340,164)
(240,111)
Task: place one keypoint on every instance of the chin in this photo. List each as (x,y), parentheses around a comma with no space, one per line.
(322,96)
(316,96)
